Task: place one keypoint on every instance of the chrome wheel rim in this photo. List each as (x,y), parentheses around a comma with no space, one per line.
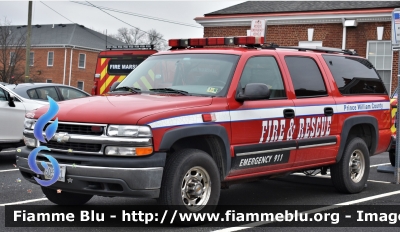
(196,188)
(357,166)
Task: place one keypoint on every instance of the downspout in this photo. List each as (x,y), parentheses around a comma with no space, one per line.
(65,63)
(344,35)
(70,66)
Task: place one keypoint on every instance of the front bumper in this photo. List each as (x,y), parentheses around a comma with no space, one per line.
(102,175)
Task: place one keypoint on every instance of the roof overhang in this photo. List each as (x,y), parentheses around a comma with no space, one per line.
(297,18)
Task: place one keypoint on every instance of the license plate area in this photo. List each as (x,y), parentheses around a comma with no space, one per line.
(49,172)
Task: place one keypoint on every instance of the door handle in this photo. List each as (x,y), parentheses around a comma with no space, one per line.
(288,113)
(328,111)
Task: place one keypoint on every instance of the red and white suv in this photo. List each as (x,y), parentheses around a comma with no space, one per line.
(186,121)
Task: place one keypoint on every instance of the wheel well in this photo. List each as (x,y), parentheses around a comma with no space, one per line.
(364,131)
(211,144)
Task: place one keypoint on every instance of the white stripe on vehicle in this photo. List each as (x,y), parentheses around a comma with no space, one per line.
(269,113)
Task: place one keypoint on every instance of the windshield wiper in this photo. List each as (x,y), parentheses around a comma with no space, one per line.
(169,90)
(131,89)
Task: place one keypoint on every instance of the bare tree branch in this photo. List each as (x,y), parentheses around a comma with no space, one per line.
(155,38)
(12,53)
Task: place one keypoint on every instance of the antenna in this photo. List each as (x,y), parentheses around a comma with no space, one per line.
(106,38)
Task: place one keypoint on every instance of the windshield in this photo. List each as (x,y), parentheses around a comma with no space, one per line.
(196,74)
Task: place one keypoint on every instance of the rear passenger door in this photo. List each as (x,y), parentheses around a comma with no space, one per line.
(259,127)
(316,119)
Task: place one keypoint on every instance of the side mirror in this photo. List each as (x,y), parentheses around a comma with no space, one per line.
(253,91)
(114,85)
(11,100)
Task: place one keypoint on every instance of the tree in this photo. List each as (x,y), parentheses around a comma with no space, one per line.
(135,36)
(155,38)
(131,36)
(12,53)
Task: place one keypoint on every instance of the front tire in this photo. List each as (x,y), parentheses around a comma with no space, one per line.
(350,174)
(65,198)
(191,182)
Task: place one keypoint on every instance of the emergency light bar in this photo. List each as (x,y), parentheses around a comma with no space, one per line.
(143,47)
(215,41)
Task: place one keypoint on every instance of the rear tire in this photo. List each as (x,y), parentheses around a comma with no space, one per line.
(350,174)
(66,198)
(191,182)
(392,158)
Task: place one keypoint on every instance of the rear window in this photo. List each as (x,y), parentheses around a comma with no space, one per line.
(354,75)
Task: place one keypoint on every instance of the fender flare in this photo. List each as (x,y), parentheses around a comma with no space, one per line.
(355,120)
(173,135)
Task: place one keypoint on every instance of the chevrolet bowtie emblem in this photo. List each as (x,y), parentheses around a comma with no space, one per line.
(61,137)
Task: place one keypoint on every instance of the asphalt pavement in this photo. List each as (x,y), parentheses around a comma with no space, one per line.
(298,189)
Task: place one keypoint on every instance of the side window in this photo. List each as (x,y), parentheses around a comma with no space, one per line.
(264,69)
(43,92)
(50,58)
(31,58)
(80,85)
(69,93)
(82,60)
(354,75)
(306,77)
(3,95)
(32,94)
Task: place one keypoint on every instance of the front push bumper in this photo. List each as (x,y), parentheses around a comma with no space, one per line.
(100,175)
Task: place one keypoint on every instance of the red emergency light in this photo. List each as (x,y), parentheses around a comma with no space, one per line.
(197,42)
(211,41)
(178,43)
(215,41)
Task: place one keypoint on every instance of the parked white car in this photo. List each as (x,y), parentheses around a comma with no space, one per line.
(12,114)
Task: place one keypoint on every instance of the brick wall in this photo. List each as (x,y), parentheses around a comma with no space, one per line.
(40,72)
(330,34)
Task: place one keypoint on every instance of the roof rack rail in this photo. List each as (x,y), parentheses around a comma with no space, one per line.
(318,49)
(136,47)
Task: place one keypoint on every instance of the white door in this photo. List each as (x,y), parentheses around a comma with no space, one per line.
(11,119)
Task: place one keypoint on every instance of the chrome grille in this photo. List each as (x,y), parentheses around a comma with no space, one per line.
(79,129)
(74,146)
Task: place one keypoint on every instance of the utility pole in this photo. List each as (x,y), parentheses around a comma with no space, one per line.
(28,42)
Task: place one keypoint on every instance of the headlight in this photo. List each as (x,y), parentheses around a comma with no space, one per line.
(128,151)
(29,142)
(29,123)
(129,131)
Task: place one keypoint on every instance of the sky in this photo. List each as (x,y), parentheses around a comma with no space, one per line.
(56,12)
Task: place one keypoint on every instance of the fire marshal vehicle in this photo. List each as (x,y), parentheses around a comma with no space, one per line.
(211,112)
(116,62)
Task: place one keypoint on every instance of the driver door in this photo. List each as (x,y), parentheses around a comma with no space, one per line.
(11,119)
(262,130)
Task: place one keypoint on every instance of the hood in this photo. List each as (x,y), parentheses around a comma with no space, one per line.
(122,109)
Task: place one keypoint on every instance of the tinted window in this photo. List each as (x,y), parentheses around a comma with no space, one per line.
(354,75)
(32,94)
(306,77)
(69,93)
(2,95)
(264,70)
(43,92)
